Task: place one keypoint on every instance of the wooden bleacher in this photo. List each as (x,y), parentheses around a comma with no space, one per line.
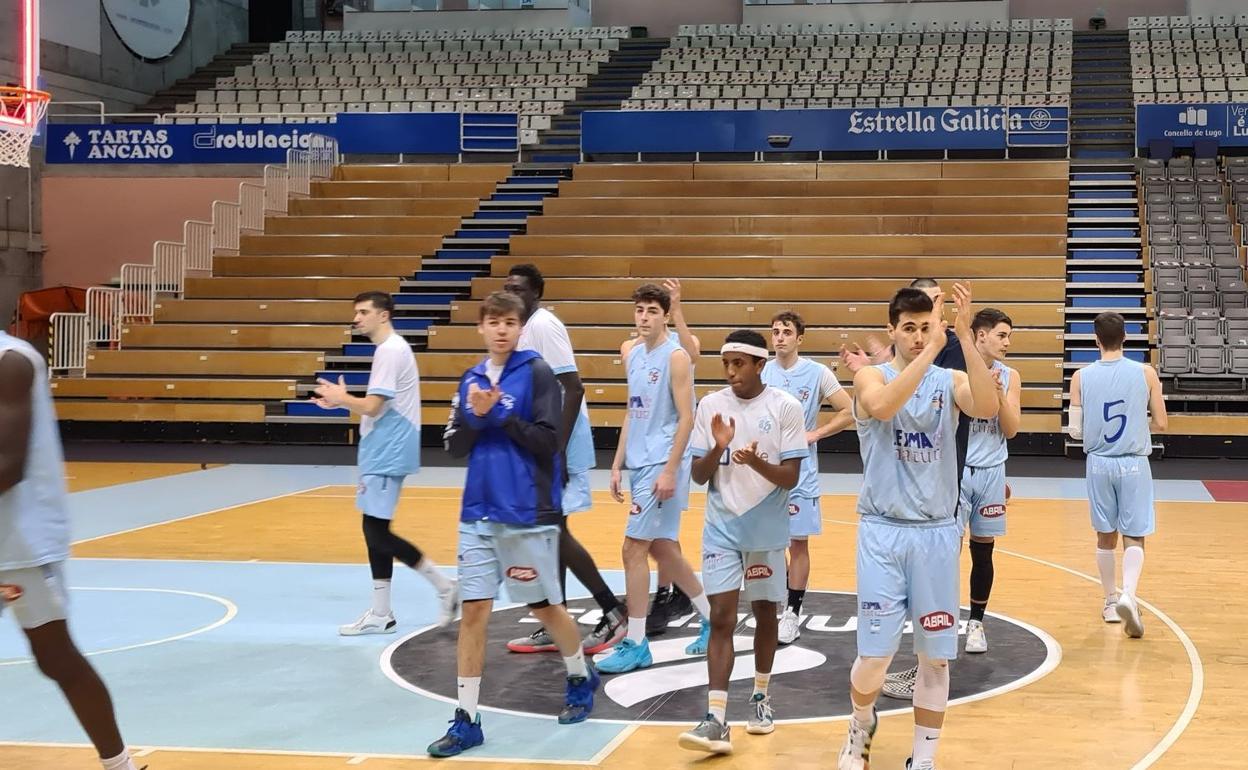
(832,241)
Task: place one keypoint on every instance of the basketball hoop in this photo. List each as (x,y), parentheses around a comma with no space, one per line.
(21,111)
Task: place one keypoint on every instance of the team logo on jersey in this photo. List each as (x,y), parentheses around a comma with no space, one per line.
(765,425)
(758,572)
(675,686)
(635,510)
(938,400)
(523,574)
(653,376)
(937,621)
(508,401)
(803,394)
(794,509)
(992,511)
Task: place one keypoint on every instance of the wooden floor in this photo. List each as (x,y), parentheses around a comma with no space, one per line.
(1111,703)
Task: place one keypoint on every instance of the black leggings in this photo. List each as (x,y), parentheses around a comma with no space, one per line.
(574,557)
(384,547)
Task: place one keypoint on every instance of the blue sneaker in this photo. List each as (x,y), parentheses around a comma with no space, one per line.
(464,734)
(580,699)
(698,646)
(628,656)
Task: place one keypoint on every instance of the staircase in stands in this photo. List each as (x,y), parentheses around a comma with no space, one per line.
(204,78)
(1102,111)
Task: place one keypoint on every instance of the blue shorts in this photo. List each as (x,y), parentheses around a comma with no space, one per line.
(981,501)
(805,517)
(577,495)
(1120,494)
(525,558)
(907,573)
(761,572)
(652,519)
(44,597)
(378,496)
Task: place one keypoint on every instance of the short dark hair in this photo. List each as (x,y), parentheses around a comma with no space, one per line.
(790,317)
(1111,331)
(988,318)
(908,300)
(747,337)
(532,274)
(501,304)
(924,283)
(380,299)
(650,292)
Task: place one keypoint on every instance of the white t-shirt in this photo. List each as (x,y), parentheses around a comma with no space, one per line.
(546,334)
(390,442)
(745,511)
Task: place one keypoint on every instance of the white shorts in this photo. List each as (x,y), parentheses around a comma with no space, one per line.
(378,496)
(526,559)
(805,517)
(981,501)
(577,495)
(761,573)
(44,597)
(648,517)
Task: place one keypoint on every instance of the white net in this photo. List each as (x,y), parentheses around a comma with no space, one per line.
(20,113)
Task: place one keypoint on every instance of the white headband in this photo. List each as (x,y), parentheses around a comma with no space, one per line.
(741,347)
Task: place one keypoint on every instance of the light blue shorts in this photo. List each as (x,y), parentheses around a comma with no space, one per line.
(577,495)
(1120,495)
(44,598)
(907,573)
(525,558)
(648,517)
(805,517)
(981,501)
(378,496)
(762,573)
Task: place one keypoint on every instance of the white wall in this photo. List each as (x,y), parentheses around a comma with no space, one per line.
(987,10)
(1214,7)
(401,20)
(72,23)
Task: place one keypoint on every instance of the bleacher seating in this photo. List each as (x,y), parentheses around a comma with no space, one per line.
(312,75)
(785,66)
(1184,59)
(1195,238)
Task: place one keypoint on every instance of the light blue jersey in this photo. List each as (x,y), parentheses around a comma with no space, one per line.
(910,464)
(811,383)
(1114,395)
(652,414)
(34,514)
(986,446)
(390,442)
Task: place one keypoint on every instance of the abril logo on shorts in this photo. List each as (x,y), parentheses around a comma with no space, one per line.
(794,509)
(636,509)
(757,572)
(992,511)
(936,621)
(523,574)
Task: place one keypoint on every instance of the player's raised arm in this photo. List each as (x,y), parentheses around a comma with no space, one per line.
(976,393)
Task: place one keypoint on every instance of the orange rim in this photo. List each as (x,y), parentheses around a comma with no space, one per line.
(12,95)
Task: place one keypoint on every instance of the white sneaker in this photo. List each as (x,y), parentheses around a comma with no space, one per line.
(369,624)
(789,626)
(856,752)
(1110,612)
(448,604)
(1129,612)
(976,639)
(926,764)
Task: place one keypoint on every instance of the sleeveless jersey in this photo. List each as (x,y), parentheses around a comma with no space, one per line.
(652,414)
(910,466)
(811,383)
(986,446)
(34,515)
(1114,395)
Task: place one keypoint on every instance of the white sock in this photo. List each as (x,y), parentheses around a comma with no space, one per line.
(1105,565)
(1132,566)
(925,742)
(120,762)
(702,605)
(636,629)
(863,714)
(717,704)
(429,571)
(576,663)
(761,681)
(469,694)
(381,598)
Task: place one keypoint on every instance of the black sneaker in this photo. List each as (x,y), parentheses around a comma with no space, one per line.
(680,605)
(656,620)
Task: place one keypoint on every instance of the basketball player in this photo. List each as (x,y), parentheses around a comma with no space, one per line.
(1110,403)
(900,685)
(981,496)
(653,443)
(504,418)
(546,334)
(389,452)
(812,384)
(908,536)
(34,544)
(749,441)
(669,601)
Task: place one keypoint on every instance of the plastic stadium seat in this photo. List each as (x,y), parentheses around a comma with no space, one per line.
(1176,359)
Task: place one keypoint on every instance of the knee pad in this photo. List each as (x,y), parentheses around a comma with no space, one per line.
(931,687)
(867,674)
(543,604)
